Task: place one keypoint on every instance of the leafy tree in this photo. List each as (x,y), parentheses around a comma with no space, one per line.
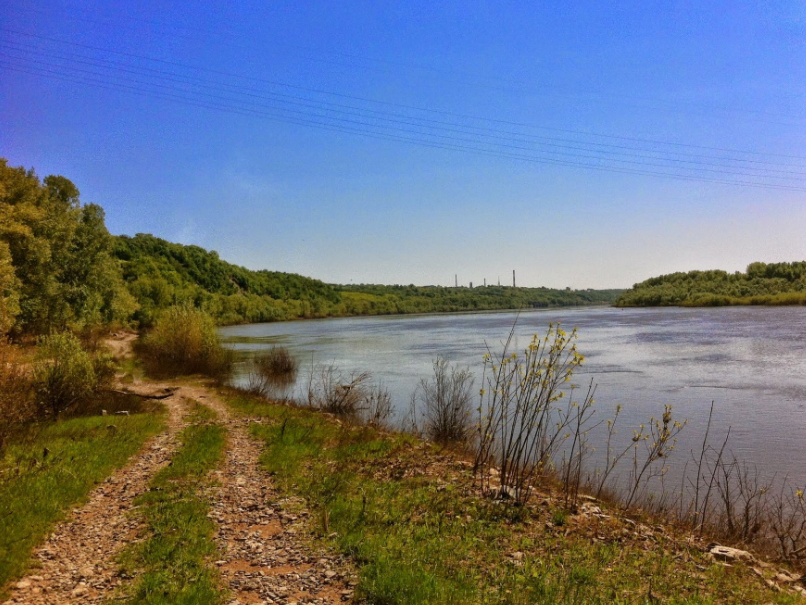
(60,253)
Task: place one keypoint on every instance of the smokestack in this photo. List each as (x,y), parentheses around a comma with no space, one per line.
(455,280)
(513,278)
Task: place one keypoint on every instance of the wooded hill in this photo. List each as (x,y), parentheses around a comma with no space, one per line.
(159,273)
(761,284)
(60,268)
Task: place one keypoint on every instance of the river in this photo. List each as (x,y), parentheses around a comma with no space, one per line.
(750,361)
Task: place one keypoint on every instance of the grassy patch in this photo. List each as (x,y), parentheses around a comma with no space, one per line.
(174,560)
(52,468)
(421,533)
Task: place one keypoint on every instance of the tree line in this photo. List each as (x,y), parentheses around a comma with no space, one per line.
(60,268)
(760,284)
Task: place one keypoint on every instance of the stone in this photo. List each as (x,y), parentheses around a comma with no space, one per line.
(728,554)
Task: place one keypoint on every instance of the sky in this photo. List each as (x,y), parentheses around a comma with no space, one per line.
(583,145)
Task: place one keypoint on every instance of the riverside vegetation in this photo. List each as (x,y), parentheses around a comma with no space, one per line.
(760,284)
(61,269)
(490,509)
(423,522)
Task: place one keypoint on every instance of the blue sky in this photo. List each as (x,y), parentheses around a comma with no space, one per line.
(581,145)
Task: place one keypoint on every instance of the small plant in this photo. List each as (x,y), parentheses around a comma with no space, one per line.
(184,341)
(445,401)
(377,407)
(658,443)
(559,517)
(64,374)
(353,397)
(522,422)
(272,372)
(16,395)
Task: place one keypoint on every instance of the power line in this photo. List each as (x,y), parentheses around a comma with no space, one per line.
(387,136)
(399,105)
(505,85)
(501,135)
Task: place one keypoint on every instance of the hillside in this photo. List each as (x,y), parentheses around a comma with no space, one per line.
(61,269)
(160,273)
(761,284)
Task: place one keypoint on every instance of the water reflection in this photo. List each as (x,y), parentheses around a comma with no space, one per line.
(749,361)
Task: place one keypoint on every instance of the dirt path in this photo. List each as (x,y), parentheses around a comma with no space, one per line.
(78,558)
(263,559)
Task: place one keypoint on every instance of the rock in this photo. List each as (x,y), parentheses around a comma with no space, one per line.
(79,591)
(785,576)
(728,554)
(22,585)
(507,493)
(87,571)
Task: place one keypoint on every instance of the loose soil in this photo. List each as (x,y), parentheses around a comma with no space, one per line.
(264,555)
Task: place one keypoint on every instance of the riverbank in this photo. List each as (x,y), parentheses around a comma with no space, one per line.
(297,505)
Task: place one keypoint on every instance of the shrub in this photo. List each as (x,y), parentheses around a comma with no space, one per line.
(16,395)
(272,373)
(354,398)
(445,401)
(64,374)
(184,341)
(522,422)
(278,363)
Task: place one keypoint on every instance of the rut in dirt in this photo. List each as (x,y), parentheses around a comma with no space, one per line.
(265,554)
(77,562)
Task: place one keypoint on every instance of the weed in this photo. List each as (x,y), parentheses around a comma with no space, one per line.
(272,373)
(174,559)
(445,401)
(16,395)
(47,471)
(64,374)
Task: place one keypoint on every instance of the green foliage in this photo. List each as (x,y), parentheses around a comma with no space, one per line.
(184,341)
(9,291)
(56,267)
(761,284)
(16,395)
(367,299)
(37,490)
(161,274)
(174,560)
(64,374)
(420,533)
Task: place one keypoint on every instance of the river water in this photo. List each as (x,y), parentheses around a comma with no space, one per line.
(750,361)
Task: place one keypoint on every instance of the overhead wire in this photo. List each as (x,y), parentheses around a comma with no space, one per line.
(225,96)
(502,135)
(403,106)
(351,60)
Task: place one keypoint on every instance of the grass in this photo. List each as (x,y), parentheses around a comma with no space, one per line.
(36,488)
(420,532)
(173,564)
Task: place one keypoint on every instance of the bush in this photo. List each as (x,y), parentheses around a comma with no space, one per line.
(184,341)
(354,398)
(445,401)
(272,373)
(522,422)
(16,395)
(64,374)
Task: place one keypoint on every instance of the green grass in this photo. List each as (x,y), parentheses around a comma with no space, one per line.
(419,532)
(36,489)
(174,561)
